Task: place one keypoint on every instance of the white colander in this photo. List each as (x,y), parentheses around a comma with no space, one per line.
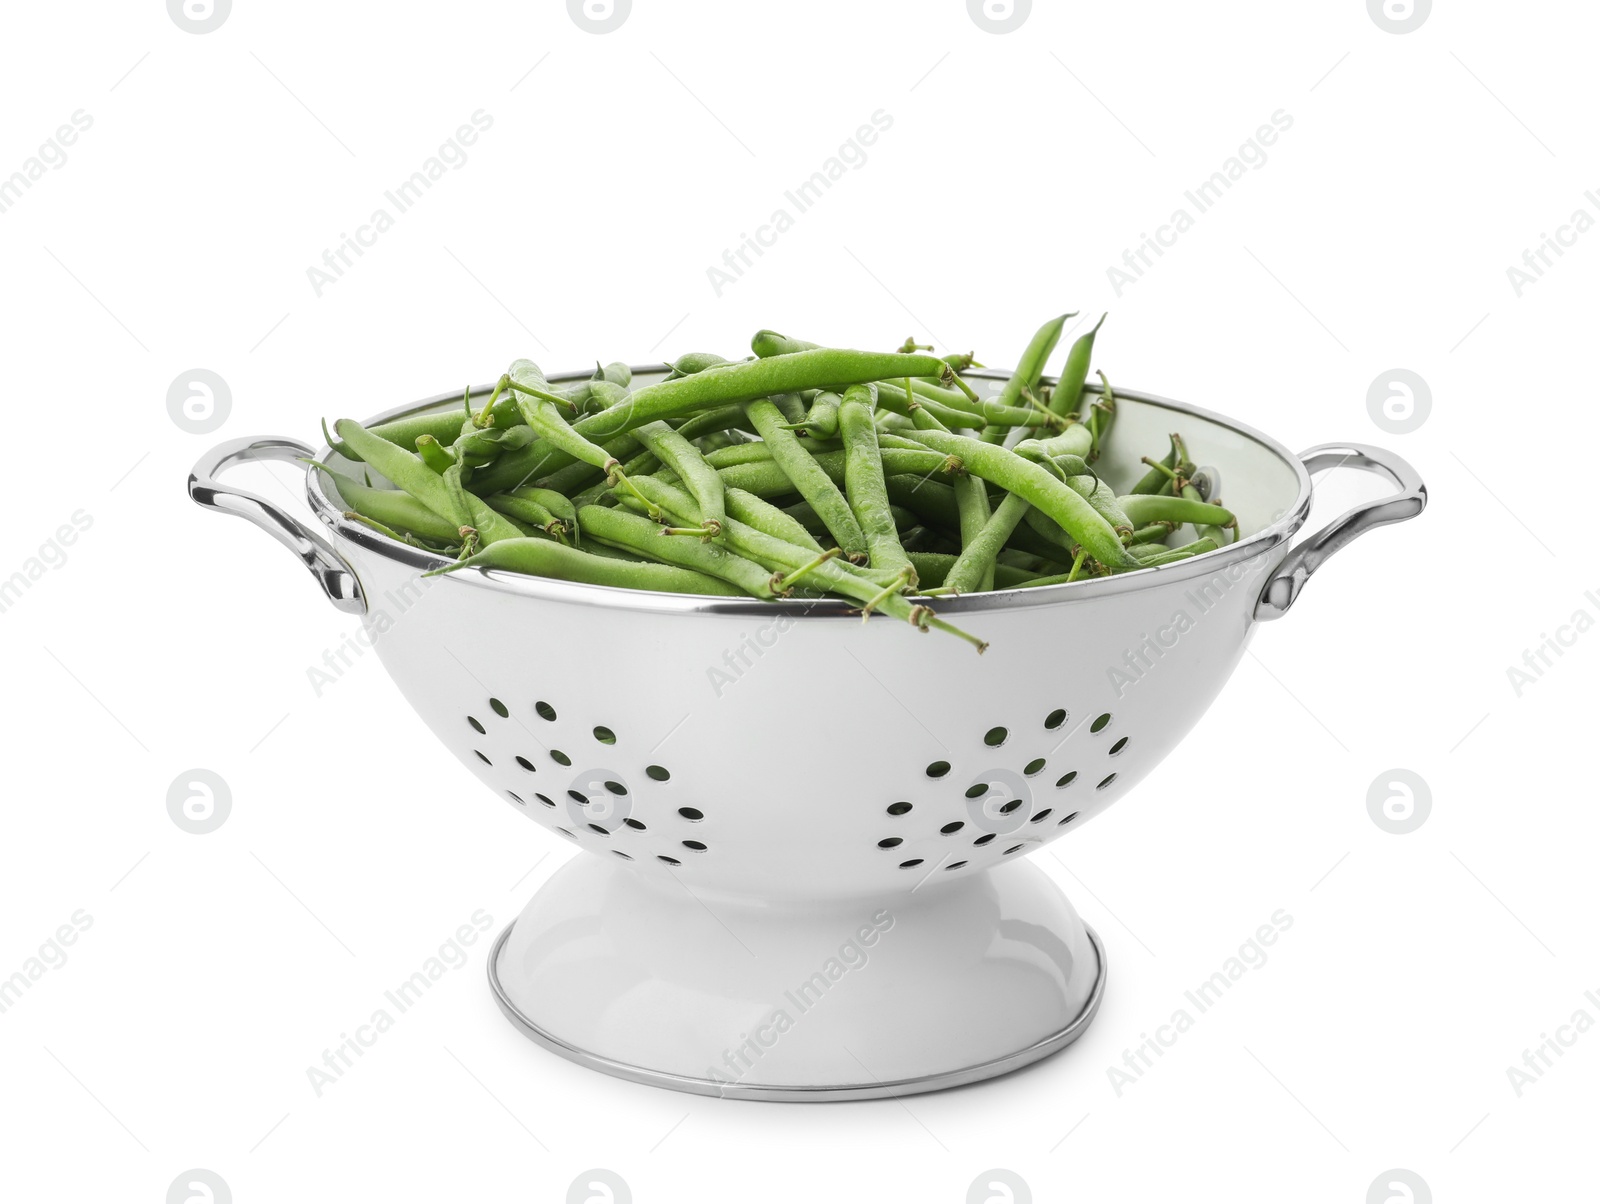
(810,833)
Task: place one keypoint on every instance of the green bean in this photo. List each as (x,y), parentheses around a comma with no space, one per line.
(530,511)
(715,441)
(685,395)
(691,362)
(961,361)
(579,474)
(1029,369)
(1074,441)
(1151,555)
(1017,475)
(1154,533)
(821,420)
(865,491)
(808,477)
(763,516)
(557,503)
(602,395)
(895,460)
(932,500)
(394,508)
(768,343)
(1145,508)
(933,569)
(1101,496)
(617,373)
(1209,531)
(421,482)
(543,558)
(684,458)
(780,557)
(738,453)
(723,418)
(1068,392)
(1159,478)
(893,397)
(774,552)
(1101,413)
(643,537)
(977,562)
(539,411)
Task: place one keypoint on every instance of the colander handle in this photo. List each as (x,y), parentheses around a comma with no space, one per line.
(1284,586)
(333,573)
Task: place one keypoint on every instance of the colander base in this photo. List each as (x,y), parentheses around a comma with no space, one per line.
(688,994)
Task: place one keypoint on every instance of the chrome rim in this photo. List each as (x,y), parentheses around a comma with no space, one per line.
(1042,1048)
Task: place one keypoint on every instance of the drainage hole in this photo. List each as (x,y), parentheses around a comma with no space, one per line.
(499,708)
(546,711)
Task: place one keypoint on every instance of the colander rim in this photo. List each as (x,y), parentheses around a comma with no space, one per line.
(1260,543)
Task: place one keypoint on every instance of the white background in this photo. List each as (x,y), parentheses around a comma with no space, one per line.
(618,168)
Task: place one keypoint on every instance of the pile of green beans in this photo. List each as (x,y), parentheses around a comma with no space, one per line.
(805,471)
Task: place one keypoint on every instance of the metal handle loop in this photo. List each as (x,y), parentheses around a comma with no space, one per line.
(1284,586)
(332,571)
